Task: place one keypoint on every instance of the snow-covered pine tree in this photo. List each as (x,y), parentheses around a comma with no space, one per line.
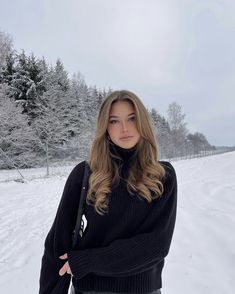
(90,104)
(18,141)
(52,121)
(79,144)
(59,76)
(162,133)
(38,74)
(27,78)
(43,77)
(21,81)
(7,71)
(6,47)
(76,106)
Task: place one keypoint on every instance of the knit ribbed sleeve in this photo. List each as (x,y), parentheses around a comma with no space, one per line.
(59,239)
(130,256)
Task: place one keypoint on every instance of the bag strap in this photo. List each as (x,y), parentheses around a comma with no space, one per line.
(78,231)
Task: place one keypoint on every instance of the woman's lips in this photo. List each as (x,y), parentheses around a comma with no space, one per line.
(126,138)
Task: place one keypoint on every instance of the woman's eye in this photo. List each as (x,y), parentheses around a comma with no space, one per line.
(132,118)
(113,121)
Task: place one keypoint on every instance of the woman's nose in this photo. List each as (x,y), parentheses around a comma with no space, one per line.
(124,127)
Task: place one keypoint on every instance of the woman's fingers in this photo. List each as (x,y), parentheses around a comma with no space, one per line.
(65,269)
(64,256)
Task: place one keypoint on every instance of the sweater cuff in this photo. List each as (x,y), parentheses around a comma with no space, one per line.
(79,262)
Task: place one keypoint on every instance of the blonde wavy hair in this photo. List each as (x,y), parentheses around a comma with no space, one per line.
(145,173)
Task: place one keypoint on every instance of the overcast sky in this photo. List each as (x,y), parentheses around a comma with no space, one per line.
(163,50)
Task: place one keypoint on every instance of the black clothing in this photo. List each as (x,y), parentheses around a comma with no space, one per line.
(122,251)
(158,291)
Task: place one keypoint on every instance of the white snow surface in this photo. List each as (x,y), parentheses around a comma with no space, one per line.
(202,254)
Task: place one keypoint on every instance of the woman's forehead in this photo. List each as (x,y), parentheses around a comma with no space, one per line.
(122,107)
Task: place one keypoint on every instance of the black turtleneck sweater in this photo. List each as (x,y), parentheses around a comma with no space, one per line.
(122,251)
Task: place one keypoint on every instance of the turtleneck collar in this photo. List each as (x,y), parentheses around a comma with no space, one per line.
(126,155)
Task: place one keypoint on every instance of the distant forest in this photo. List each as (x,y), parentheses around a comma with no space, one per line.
(45,116)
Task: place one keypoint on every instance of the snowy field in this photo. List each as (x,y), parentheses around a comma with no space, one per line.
(202,255)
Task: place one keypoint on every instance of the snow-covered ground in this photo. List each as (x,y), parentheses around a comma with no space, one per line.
(202,255)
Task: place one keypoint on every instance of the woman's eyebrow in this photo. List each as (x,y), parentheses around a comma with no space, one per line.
(115,116)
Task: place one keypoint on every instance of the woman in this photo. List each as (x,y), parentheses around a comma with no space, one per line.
(130,210)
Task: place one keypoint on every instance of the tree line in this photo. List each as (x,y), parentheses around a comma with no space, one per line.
(46,116)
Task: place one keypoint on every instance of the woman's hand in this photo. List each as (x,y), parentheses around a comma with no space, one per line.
(65,268)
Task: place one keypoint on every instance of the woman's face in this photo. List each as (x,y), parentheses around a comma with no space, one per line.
(122,125)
